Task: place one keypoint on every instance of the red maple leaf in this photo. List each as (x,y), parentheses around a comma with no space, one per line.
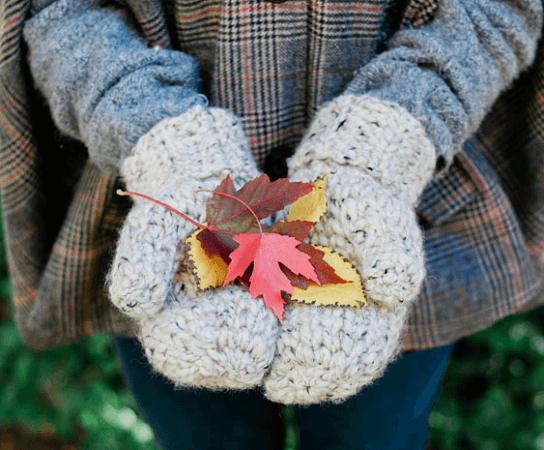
(230,212)
(266,251)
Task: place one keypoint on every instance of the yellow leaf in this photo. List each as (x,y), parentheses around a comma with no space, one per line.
(345,294)
(312,206)
(209,272)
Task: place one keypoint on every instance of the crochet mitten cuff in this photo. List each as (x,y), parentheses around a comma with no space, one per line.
(379,138)
(180,155)
(202,145)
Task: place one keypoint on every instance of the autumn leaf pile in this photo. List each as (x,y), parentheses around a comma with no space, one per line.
(272,261)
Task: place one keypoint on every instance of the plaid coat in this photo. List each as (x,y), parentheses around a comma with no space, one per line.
(483,220)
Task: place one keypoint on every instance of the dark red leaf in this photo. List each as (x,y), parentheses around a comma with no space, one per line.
(299,229)
(261,195)
(325,272)
(295,279)
(216,244)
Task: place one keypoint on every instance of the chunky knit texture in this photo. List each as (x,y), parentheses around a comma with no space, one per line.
(221,339)
(328,354)
(381,161)
(218,339)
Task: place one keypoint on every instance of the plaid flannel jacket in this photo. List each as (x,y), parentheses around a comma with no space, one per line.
(483,220)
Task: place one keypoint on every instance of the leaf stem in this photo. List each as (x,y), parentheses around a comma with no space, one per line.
(238,200)
(126,193)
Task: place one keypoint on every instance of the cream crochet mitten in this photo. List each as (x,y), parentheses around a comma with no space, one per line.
(215,339)
(381,159)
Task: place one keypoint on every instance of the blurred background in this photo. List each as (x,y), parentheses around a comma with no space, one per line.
(73,397)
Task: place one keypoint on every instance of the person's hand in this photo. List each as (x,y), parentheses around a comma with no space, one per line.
(215,339)
(381,160)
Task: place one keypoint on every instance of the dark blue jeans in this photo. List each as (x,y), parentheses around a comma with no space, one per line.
(391,414)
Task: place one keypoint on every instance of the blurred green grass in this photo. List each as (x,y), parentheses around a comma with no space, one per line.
(492,396)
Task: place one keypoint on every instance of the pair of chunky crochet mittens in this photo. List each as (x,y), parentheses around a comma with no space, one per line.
(224,339)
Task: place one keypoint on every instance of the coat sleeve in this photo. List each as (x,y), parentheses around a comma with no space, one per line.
(103,84)
(449,72)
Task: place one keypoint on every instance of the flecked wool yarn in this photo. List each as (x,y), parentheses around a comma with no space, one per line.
(217,340)
(220,339)
(381,160)
(327,354)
